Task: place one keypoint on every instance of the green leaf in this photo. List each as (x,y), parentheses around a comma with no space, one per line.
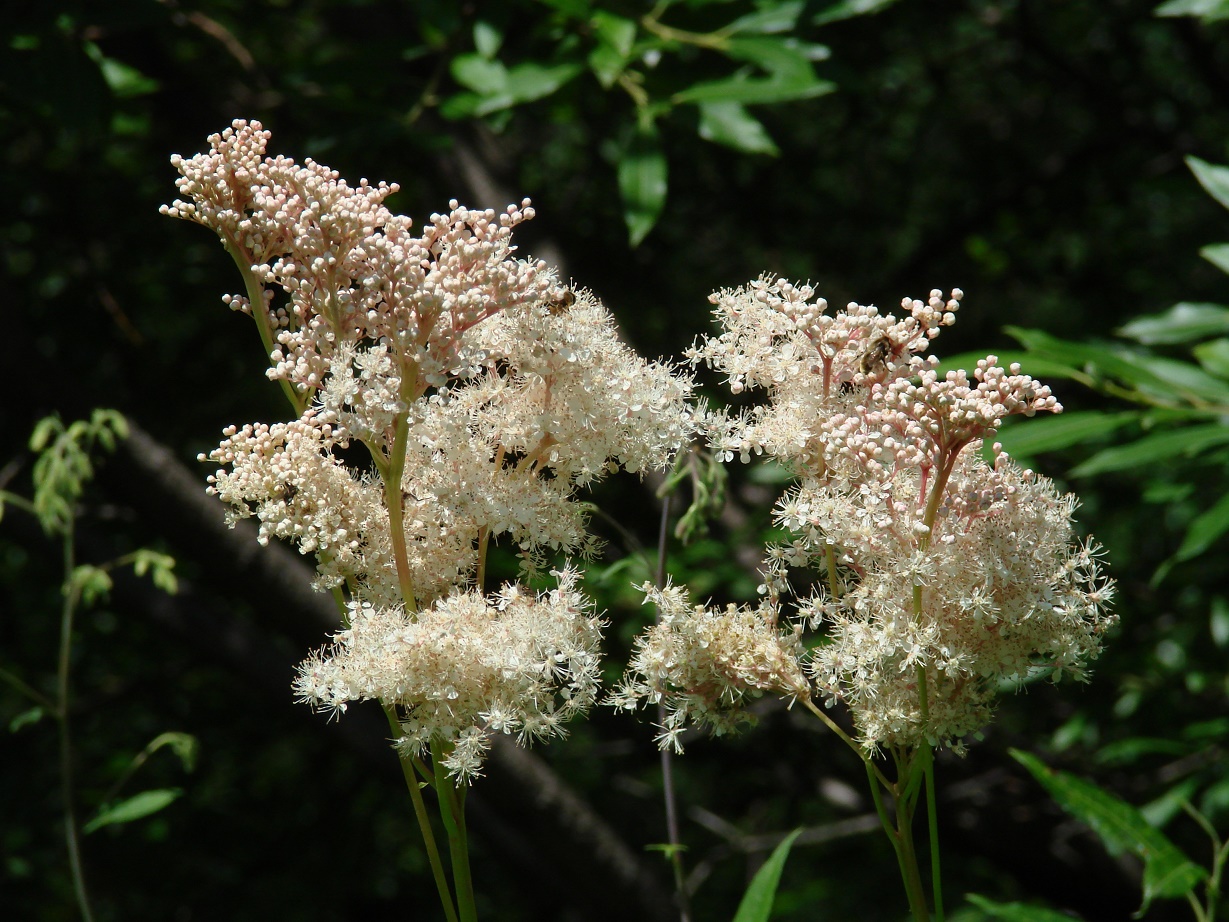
(1016,912)
(27,718)
(642,182)
(134,808)
(487,39)
(1218,621)
(1162,378)
(1026,438)
(786,61)
(90,583)
(184,745)
(1217,254)
(1186,379)
(1213,357)
(847,9)
(615,36)
(484,77)
(529,81)
(1180,324)
(1125,752)
(1161,447)
(1164,808)
(730,124)
(1206,528)
(1207,10)
(1167,872)
(756,905)
(1214,178)
(774,17)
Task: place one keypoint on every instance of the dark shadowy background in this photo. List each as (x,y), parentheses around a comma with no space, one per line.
(1029,152)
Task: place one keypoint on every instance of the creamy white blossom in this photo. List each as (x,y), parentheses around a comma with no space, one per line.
(485,394)
(932,562)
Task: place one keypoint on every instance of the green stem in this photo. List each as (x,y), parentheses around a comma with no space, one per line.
(932,817)
(452,812)
(871,768)
(255,292)
(424,821)
(909,869)
(72,595)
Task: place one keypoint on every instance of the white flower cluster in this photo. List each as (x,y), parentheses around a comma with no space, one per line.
(485,393)
(705,666)
(931,561)
(466,668)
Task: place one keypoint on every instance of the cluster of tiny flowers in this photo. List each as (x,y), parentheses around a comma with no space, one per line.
(466,668)
(492,390)
(706,666)
(931,560)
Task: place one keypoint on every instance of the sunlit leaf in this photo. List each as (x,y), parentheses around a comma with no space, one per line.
(615,35)
(1214,178)
(1205,529)
(1167,872)
(1026,438)
(847,9)
(487,39)
(1207,10)
(1213,357)
(731,124)
(134,808)
(479,74)
(1182,323)
(773,17)
(1217,254)
(642,182)
(756,905)
(1154,449)
(1016,912)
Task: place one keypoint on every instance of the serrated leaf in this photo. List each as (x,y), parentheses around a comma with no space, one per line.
(756,904)
(1025,438)
(134,808)
(1153,449)
(1016,912)
(1207,10)
(642,182)
(1213,357)
(730,124)
(1213,177)
(1182,323)
(1204,530)
(1167,872)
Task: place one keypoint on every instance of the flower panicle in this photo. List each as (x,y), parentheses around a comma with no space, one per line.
(927,557)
